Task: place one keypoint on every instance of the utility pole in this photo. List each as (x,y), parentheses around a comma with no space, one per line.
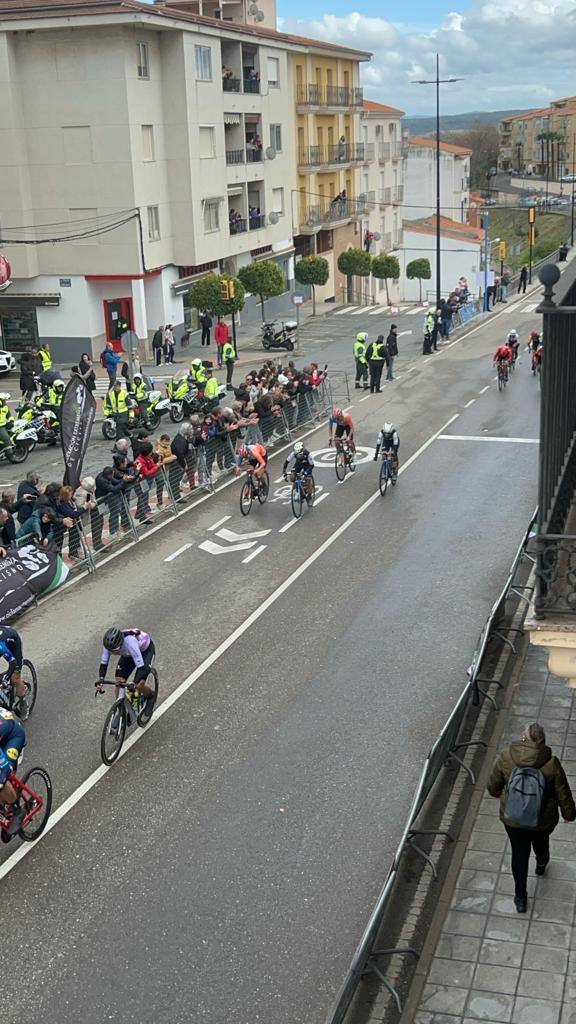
(486,219)
(532,229)
(437,81)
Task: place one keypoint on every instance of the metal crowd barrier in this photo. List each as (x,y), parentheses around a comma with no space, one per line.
(446,748)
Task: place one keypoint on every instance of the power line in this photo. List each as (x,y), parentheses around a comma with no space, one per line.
(102,230)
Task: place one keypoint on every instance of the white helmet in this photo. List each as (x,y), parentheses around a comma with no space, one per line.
(512,335)
(4,396)
(58,383)
(298,447)
(388,428)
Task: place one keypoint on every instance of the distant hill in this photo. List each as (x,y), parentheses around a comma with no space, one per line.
(457,122)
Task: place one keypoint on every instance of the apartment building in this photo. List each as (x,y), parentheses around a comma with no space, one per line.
(382,181)
(331,156)
(420,180)
(540,142)
(152,145)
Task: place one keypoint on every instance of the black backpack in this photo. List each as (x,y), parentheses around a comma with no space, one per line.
(525,794)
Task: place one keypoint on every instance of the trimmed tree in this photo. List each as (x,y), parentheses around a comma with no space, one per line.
(263,278)
(386,268)
(312,270)
(354,263)
(419,270)
(207,294)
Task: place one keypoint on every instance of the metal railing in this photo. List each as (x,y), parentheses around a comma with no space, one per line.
(251,84)
(398,194)
(338,209)
(444,750)
(231,84)
(254,156)
(384,151)
(235,156)
(238,226)
(341,153)
(256,221)
(385,196)
(332,96)
(396,151)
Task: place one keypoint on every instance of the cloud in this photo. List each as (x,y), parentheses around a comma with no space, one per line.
(509,53)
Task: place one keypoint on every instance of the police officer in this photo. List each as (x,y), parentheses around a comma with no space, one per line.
(211,387)
(44,353)
(118,406)
(53,395)
(197,373)
(6,420)
(376,354)
(140,392)
(228,360)
(361,361)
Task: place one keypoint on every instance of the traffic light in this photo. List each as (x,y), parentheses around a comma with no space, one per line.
(531,215)
(502,250)
(227,290)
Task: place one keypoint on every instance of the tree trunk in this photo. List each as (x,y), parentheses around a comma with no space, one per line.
(387,292)
(349,288)
(262,307)
(420,290)
(313,300)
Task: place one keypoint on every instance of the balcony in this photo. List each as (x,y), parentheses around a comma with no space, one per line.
(235,156)
(385,196)
(396,150)
(387,241)
(256,221)
(237,225)
(230,84)
(325,156)
(398,195)
(322,216)
(254,154)
(384,152)
(340,96)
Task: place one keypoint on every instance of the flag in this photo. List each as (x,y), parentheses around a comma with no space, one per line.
(25,573)
(77,415)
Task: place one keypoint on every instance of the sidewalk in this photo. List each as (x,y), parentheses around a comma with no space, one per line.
(484,961)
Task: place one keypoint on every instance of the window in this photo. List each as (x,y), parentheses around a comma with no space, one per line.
(153,224)
(203,63)
(273,64)
(276,137)
(148,142)
(211,215)
(207,145)
(143,62)
(77,144)
(278,200)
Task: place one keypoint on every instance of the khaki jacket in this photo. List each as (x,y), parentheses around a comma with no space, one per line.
(534,755)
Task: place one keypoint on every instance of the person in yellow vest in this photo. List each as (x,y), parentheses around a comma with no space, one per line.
(53,395)
(6,421)
(211,387)
(228,360)
(118,405)
(198,373)
(361,361)
(377,356)
(44,353)
(140,392)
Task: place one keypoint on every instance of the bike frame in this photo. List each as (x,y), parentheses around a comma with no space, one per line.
(21,787)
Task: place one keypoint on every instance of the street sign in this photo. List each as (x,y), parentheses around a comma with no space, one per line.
(297,298)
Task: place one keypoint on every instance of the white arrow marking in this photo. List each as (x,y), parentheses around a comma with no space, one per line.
(216,549)
(233,537)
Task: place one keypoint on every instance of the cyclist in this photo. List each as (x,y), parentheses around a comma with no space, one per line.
(303,463)
(11,650)
(533,341)
(503,358)
(537,359)
(344,425)
(12,743)
(135,650)
(388,440)
(513,343)
(255,455)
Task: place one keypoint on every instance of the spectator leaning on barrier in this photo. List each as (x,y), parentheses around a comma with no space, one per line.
(86,496)
(165,459)
(28,492)
(49,500)
(7,527)
(532,786)
(109,486)
(67,507)
(40,528)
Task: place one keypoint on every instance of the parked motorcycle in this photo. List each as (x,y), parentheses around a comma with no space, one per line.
(23,438)
(279,337)
(157,407)
(184,401)
(44,423)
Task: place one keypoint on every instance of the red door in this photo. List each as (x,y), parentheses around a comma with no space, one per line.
(118,318)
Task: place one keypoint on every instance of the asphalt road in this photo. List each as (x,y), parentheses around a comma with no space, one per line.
(224,869)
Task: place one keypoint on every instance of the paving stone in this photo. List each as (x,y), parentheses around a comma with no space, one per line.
(470,902)
(458,923)
(570,990)
(491,842)
(436,1018)
(553,910)
(509,929)
(477,881)
(505,884)
(535,1011)
(501,952)
(451,972)
(488,822)
(554,889)
(476,860)
(561,869)
(555,935)
(541,958)
(568,1013)
(504,905)
(443,999)
(541,985)
(458,947)
(490,1006)
(494,978)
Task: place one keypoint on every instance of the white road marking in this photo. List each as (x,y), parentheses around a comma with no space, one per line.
(484,390)
(401,334)
(287,526)
(216,549)
(348,309)
(428,360)
(366,397)
(485,437)
(495,378)
(279,480)
(410,369)
(219,523)
(398,377)
(417,309)
(348,407)
(378,311)
(178,552)
(530,308)
(257,551)
(471,402)
(321,498)
(234,538)
(364,309)
(186,684)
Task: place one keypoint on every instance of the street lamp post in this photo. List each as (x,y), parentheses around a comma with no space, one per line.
(437,82)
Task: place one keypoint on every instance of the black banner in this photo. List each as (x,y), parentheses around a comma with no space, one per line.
(25,573)
(77,415)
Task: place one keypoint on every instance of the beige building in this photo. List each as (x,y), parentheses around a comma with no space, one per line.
(382,180)
(158,143)
(540,142)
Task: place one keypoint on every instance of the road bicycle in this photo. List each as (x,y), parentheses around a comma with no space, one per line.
(345,458)
(253,489)
(388,471)
(502,370)
(300,494)
(20,706)
(34,795)
(130,707)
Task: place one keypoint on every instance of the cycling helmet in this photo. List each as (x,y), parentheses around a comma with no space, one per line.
(388,428)
(299,447)
(58,384)
(196,363)
(534,335)
(113,638)
(243,451)
(4,396)
(512,336)
(336,413)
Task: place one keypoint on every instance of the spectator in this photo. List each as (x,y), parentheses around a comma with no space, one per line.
(206,325)
(28,493)
(169,344)
(7,528)
(158,345)
(129,471)
(30,368)
(504,284)
(67,507)
(221,336)
(165,459)
(109,486)
(491,295)
(40,527)
(181,448)
(86,495)
(523,281)
(86,369)
(530,753)
(392,350)
(111,360)
(14,506)
(49,500)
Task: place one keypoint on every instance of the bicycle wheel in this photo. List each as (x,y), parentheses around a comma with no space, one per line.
(264,488)
(310,498)
(393,474)
(113,732)
(500,385)
(246,497)
(145,714)
(296,499)
(340,465)
(352,461)
(30,679)
(383,478)
(38,780)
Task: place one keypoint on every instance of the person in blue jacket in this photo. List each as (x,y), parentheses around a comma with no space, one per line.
(111,360)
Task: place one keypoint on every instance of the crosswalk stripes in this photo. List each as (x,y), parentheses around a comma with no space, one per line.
(347,309)
(364,309)
(416,310)
(530,308)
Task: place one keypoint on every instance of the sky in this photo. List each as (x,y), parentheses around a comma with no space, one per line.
(511,53)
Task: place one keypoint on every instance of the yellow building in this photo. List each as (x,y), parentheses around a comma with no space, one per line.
(540,142)
(330,154)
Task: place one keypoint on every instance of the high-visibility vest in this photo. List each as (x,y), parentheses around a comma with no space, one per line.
(116,403)
(377,351)
(5,414)
(46,359)
(212,389)
(228,352)
(140,392)
(360,351)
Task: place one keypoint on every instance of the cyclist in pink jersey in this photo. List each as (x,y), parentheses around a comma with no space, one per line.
(135,650)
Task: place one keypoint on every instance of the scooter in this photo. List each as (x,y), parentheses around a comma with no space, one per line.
(282,337)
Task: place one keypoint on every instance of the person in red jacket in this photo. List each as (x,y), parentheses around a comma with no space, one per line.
(221,336)
(146,461)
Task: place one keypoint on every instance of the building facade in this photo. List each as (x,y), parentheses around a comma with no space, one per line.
(540,142)
(382,180)
(461,246)
(420,180)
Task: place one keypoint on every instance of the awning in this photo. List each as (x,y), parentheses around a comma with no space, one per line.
(235,190)
(15,300)
(232,119)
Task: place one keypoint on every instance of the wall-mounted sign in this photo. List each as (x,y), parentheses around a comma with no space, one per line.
(5,273)
(65,282)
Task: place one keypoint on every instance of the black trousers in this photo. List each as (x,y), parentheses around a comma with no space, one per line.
(522,841)
(375,374)
(229,371)
(205,335)
(361,373)
(158,355)
(522,286)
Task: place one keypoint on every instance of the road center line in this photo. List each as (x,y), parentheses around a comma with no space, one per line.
(321,498)
(485,437)
(219,523)
(484,390)
(253,554)
(365,399)
(471,402)
(178,552)
(186,684)
(287,526)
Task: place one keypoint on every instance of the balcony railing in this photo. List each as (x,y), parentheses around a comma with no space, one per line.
(342,153)
(384,151)
(237,226)
(235,156)
(257,221)
(312,95)
(385,196)
(387,241)
(251,85)
(253,156)
(398,238)
(396,150)
(398,194)
(337,210)
(231,84)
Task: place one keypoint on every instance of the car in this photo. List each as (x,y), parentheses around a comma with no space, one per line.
(7,361)
(558,201)
(568,177)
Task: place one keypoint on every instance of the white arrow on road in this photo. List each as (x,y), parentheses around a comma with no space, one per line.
(233,537)
(217,549)
(402,333)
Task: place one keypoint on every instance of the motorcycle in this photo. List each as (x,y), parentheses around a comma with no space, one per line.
(157,407)
(23,438)
(184,401)
(44,423)
(282,337)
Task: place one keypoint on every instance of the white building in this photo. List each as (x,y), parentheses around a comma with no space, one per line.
(461,249)
(173,130)
(420,180)
(382,180)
